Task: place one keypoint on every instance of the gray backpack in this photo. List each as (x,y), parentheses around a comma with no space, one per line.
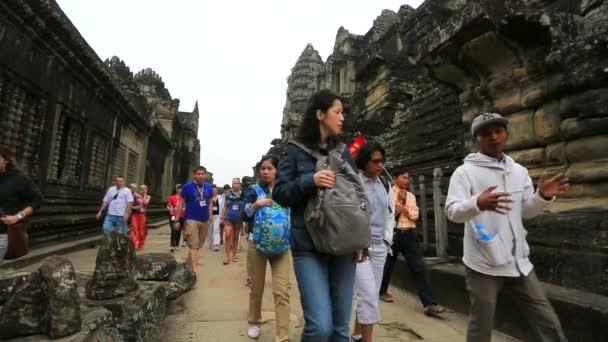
(337,219)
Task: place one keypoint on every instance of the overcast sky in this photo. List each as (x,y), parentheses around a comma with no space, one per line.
(234,57)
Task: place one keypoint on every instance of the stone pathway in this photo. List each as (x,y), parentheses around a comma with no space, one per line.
(216,309)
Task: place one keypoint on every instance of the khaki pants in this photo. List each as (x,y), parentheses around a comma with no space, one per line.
(280,266)
(527,293)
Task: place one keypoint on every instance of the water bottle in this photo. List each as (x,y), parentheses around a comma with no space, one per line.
(482,233)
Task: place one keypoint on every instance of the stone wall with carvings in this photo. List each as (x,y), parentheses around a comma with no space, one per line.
(415,80)
(74,121)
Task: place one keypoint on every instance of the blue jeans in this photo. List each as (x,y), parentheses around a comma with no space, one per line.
(326,292)
(115,222)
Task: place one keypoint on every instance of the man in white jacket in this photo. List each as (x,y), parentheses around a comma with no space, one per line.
(492,194)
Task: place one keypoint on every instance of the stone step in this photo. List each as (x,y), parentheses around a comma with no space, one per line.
(583,315)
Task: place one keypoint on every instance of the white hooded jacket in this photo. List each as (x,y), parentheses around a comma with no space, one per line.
(507,253)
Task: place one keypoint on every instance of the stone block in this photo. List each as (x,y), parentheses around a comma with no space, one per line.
(592,103)
(115,268)
(181,281)
(547,123)
(533,94)
(587,190)
(577,127)
(521,131)
(155,266)
(25,313)
(64,301)
(555,154)
(9,281)
(587,149)
(505,93)
(588,172)
(529,157)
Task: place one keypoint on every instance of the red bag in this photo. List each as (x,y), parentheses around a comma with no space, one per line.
(18,240)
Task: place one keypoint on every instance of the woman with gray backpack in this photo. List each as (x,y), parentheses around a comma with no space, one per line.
(269,244)
(317,180)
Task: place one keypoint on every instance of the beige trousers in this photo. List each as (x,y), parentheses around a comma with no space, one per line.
(280,266)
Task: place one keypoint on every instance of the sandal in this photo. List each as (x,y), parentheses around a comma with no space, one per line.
(387,298)
(432,311)
(226,261)
(235,258)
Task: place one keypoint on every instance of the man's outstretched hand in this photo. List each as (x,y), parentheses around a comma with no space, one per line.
(494,201)
(549,187)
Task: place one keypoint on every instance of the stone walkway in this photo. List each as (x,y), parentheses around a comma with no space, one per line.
(216,309)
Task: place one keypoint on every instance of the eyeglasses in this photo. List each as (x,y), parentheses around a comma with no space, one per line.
(377,161)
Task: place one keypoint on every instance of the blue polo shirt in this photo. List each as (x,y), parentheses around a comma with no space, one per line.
(197,201)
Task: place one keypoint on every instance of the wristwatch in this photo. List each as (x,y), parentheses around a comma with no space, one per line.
(20,215)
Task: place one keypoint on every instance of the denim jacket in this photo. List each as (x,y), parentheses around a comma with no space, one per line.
(295,186)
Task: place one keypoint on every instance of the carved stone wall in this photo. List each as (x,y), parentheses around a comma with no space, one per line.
(417,78)
(74,121)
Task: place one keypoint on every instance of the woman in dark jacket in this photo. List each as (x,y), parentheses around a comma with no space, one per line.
(19,197)
(325,281)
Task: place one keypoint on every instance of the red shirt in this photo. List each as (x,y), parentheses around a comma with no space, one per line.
(173,201)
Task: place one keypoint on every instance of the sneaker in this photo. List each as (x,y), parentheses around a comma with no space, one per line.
(216,248)
(253,331)
(183,244)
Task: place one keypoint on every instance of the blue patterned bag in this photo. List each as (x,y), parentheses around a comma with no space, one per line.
(271,227)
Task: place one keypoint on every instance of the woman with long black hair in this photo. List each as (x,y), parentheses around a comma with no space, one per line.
(325,281)
(19,197)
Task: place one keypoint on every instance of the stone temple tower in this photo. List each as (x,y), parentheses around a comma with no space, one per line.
(304,81)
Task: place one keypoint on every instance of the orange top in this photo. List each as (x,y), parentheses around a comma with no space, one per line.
(407,221)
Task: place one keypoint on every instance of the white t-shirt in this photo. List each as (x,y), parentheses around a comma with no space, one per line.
(118,206)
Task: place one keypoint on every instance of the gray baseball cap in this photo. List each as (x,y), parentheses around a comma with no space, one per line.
(484,119)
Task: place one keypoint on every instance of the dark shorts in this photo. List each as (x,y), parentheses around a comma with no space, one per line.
(235,222)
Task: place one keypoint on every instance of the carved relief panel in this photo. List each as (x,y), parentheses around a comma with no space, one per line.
(98,160)
(22,119)
(66,156)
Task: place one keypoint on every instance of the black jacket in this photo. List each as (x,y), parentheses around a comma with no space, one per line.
(17,191)
(295,186)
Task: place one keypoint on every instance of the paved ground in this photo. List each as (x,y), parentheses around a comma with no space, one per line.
(216,309)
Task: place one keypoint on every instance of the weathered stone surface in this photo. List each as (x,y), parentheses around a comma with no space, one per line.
(9,281)
(576,128)
(25,313)
(155,266)
(138,315)
(556,154)
(530,157)
(586,149)
(592,103)
(64,301)
(96,326)
(180,281)
(115,268)
(521,130)
(588,172)
(547,122)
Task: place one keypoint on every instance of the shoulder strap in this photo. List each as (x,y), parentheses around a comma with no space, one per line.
(258,190)
(385,183)
(303,147)
(340,148)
